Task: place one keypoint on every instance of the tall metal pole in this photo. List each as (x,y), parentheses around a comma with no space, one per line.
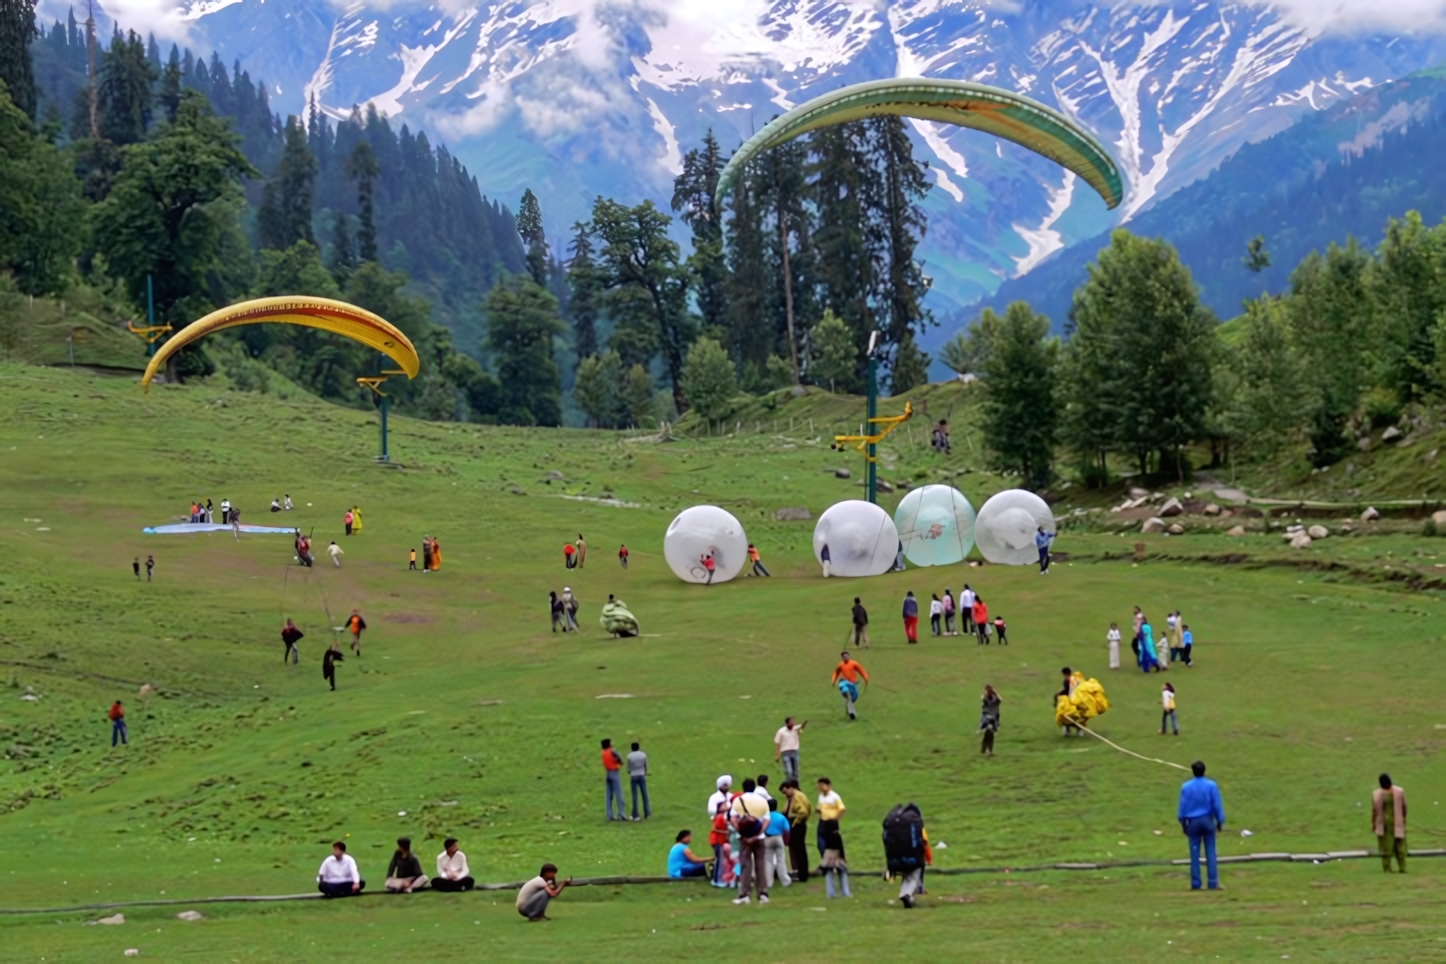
(873,469)
(386,404)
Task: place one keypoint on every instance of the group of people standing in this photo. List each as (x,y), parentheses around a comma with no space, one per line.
(969,616)
(203,513)
(1154,654)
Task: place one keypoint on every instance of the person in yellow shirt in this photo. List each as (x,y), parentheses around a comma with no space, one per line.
(832,861)
(355,519)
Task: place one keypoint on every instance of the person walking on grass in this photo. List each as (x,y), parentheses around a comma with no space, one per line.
(967,596)
(1001,630)
(1388,822)
(798,810)
(1202,816)
(569,608)
(638,778)
(749,817)
(775,848)
(404,873)
(452,871)
(348,520)
(911,617)
(581,551)
(355,624)
(150,567)
(949,612)
(1187,645)
(290,635)
(989,719)
(846,677)
(537,893)
(612,770)
(336,554)
(906,850)
(136,567)
(623,556)
(785,746)
(1042,541)
(1167,709)
(412,562)
(861,625)
(936,612)
(117,716)
(559,618)
(832,860)
(1113,639)
(329,659)
(759,569)
(980,615)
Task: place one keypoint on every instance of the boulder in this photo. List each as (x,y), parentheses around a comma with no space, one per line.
(1236,532)
(793,514)
(1176,529)
(1172,507)
(1370,515)
(1301,541)
(1212,509)
(842,474)
(1364,444)
(190,915)
(147,690)
(556,475)
(1391,434)
(1153,524)
(1439,518)
(113,919)
(1138,493)
(1318,532)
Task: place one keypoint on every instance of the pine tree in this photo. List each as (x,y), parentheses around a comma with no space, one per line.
(169,96)
(363,168)
(286,204)
(694,197)
(582,282)
(835,356)
(1020,411)
(17,30)
(522,321)
(123,91)
(529,228)
(343,249)
(841,179)
(1272,399)
(750,280)
(638,397)
(899,222)
(783,197)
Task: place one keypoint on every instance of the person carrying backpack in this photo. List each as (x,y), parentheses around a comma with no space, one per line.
(906,848)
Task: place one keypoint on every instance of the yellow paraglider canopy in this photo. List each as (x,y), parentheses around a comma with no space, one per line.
(1086,701)
(337,317)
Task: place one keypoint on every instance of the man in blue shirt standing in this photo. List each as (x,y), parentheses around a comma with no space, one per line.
(1201,814)
(1042,541)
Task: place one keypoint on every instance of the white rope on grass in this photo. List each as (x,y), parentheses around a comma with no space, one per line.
(1147,759)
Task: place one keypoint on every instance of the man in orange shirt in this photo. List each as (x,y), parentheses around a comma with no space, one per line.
(612,766)
(846,677)
(356,624)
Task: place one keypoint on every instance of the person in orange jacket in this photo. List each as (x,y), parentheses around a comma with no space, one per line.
(117,716)
(356,624)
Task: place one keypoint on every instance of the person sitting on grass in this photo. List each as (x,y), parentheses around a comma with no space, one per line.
(339,876)
(537,893)
(682,862)
(404,873)
(452,872)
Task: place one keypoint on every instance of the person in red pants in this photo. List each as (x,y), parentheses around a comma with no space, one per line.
(911,618)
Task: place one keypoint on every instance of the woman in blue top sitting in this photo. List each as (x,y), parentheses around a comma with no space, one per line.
(682,862)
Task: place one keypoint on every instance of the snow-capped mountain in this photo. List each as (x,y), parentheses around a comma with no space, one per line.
(577,98)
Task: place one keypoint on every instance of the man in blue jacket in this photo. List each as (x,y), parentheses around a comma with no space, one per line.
(1201,815)
(1042,541)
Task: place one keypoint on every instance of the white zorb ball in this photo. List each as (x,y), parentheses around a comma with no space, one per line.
(1007,525)
(936,524)
(701,530)
(861,539)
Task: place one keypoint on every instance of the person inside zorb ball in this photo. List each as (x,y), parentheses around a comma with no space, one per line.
(1007,525)
(936,525)
(701,533)
(860,536)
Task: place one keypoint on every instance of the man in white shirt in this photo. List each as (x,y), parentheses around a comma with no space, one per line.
(336,554)
(725,784)
(452,872)
(537,893)
(339,876)
(967,597)
(785,747)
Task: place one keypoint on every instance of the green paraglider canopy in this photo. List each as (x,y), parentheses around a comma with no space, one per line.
(993,110)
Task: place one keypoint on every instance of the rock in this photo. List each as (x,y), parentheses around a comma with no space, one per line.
(133,952)
(793,514)
(517,490)
(1236,532)
(1212,509)
(1370,515)
(554,474)
(147,690)
(1391,434)
(1364,444)
(1176,530)
(1172,507)
(1153,524)
(1137,493)
(190,915)
(1318,532)
(1439,517)
(842,474)
(115,919)
(1301,541)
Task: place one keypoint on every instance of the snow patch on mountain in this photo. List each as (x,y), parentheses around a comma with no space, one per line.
(1044,241)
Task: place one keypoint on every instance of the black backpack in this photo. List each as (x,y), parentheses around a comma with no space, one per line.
(904,840)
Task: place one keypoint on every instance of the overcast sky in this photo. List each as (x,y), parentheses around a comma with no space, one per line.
(161,17)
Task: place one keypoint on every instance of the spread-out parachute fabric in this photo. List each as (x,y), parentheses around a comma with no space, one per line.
(337,317)
(705,530)
(1084,704)
(1007,525)
(617,620)
(936,525)
(185,528)
(992,110)
(861,539)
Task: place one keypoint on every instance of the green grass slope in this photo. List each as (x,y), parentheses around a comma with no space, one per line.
(466,716)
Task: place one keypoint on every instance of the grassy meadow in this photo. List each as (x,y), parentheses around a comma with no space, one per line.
(467,716)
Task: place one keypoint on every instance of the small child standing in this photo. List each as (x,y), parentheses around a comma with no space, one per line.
(999,630)
(412,563)
(1113,638)
(1167,704)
